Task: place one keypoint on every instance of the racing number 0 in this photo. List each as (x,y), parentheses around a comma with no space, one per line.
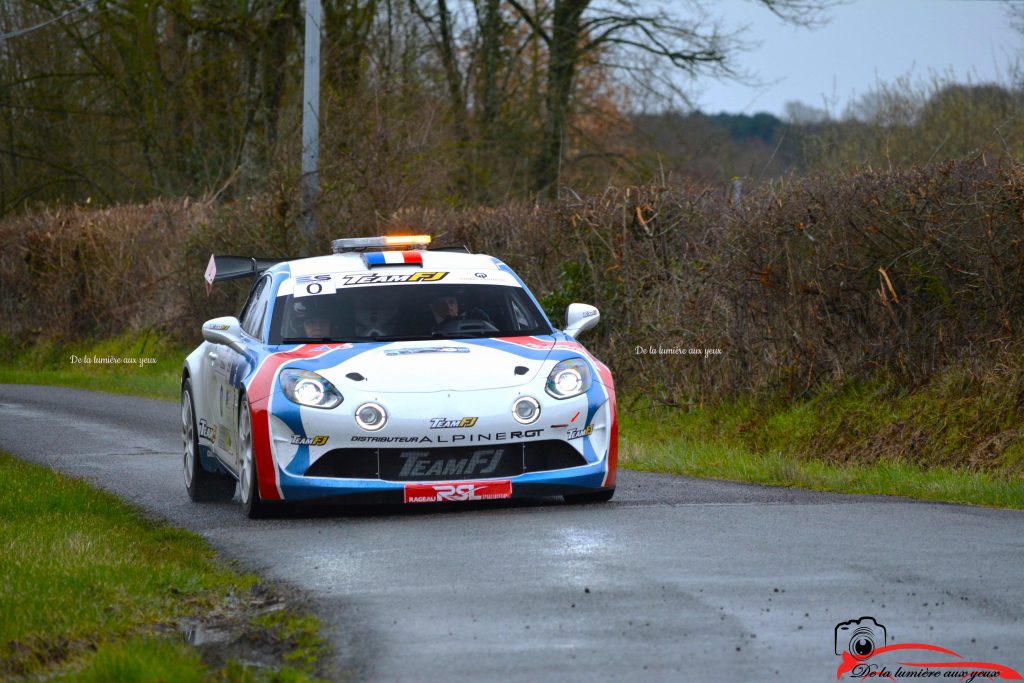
(311,285)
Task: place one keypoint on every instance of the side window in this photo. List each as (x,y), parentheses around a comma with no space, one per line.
(250,302)
(522,321)
(256,309)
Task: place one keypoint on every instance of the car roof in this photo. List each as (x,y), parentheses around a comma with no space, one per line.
(354,262)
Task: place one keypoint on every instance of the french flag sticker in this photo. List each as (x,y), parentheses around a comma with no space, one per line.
(393,258)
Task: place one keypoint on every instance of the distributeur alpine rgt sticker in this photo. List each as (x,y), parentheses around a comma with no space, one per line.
(390,372)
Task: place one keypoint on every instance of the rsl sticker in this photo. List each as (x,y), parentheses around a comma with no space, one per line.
(458,492)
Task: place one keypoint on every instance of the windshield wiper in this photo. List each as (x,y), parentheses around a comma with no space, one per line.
(315,340)
(461,335)
(412,337)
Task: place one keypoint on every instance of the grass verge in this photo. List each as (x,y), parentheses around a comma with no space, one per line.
(140,365)
(92,591)
(957,438)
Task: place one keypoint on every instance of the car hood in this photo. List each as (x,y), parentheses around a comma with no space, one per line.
(447,365)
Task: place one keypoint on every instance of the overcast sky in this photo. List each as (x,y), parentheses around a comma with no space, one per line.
(867,41)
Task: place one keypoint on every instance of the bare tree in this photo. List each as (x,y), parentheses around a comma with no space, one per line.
(579,31)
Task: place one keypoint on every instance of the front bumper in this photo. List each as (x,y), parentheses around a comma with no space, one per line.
(569,454)
(584,479)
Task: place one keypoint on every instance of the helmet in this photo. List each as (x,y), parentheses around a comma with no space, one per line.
(306,308)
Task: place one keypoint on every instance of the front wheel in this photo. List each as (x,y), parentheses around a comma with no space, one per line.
(248,473)
(592,497)
(202,486)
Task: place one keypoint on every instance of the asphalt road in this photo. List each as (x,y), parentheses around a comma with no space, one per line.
(676,579)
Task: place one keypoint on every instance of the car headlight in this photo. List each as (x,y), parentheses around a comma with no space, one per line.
(569,378)
(526,410)
(309,389)
(371,416)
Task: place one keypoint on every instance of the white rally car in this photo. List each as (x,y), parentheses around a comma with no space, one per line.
(389,372)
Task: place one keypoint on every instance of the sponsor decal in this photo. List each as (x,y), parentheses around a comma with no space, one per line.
(482,276)
(309,440)
(452,423)
(207,431)
(576,432)
(481,462)
(427,349)
(219,327)
(311,285)
(454,438)
(387,279)
(859,641)
(463,491)
(223,437)
(393,258)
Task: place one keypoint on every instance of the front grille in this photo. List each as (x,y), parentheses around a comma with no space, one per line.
(446,464)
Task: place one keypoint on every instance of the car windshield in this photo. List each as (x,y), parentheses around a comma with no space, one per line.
(406,312)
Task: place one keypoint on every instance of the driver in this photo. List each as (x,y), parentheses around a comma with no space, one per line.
(317,327)
(444,308)
(314,320)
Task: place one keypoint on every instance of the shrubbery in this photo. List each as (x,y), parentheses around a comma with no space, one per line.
(825,278)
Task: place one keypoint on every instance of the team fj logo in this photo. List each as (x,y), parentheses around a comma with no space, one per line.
(576,432)
(452,422)
(377,278)
(207,431)
(863,645)
(309,440)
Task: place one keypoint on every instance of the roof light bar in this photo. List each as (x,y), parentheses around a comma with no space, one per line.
(382,242)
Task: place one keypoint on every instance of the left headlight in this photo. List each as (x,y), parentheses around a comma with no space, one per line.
(309,389)
(569,378)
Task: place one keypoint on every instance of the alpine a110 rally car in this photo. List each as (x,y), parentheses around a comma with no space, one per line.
(389,372)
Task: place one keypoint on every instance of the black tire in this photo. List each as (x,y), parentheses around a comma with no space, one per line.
(248,470)
(592,497)
(202,486)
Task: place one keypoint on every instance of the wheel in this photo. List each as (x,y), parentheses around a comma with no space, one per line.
(593,497)
(202,486)
(248,474)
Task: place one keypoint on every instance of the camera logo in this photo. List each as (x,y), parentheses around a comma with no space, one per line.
(859,637)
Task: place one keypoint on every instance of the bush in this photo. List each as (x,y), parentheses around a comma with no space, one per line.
(823,279)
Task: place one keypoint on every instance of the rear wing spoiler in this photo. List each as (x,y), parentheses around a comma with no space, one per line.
(222,268)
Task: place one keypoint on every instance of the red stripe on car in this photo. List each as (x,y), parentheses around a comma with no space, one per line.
(261,386)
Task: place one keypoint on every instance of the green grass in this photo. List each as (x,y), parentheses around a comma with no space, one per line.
(92,591)
(53,364)
(957,438)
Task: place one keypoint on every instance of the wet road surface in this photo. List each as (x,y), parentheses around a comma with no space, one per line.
(676,579)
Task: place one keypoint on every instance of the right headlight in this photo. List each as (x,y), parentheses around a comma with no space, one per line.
(309,389)
(569,378)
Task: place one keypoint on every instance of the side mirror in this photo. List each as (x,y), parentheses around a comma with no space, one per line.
(226,331)
(579,318)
